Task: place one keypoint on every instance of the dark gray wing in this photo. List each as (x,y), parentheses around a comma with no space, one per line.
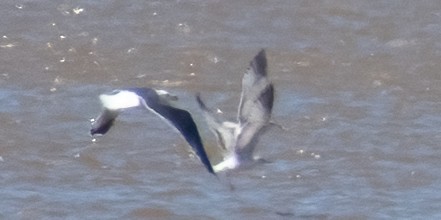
(180,119)
(185,124)
(103,122)
(256,101)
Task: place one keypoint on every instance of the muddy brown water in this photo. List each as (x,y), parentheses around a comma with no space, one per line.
(357,86)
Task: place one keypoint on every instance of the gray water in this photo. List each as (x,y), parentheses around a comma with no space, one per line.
(357,83)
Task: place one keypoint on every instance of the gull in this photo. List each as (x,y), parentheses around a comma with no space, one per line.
(238,139)
(155,101)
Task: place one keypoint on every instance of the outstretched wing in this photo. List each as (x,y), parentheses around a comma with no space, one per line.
(128,98)
(256,101)
(253,125)
(184,123)
(257,95)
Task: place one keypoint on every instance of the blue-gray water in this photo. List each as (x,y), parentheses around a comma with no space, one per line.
(357,83)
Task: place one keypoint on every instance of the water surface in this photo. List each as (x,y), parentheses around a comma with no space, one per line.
(357,83)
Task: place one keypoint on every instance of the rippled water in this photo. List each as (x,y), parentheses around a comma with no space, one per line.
(357,82)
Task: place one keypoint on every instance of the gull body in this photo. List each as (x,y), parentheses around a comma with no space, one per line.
(155,101)
(238,139)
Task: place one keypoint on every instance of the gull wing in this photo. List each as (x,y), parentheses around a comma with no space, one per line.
(184,123)
(112,103)
(224,134)
(254,125)
(177,118)
(103,122)
(180,120)
(256,102)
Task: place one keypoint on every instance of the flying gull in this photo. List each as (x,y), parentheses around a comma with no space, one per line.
(155,101)
(238,139)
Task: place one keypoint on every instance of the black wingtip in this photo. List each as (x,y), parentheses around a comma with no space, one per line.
(259,63)
(103,122)
(101,129)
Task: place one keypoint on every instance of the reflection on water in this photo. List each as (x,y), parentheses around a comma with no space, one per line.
(357,85)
